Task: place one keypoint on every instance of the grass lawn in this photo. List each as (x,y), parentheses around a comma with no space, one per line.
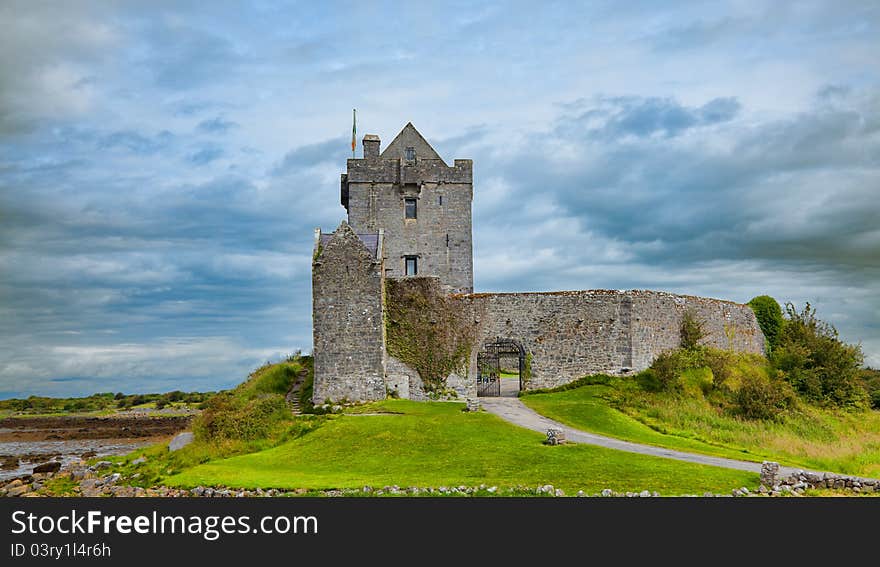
(812,438)
(436,444)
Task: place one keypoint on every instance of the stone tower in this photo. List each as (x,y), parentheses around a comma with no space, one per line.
(422,205)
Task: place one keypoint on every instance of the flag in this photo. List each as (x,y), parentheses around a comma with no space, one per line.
(353,130)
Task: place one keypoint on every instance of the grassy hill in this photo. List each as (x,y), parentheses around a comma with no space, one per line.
(844,441)
(437,444)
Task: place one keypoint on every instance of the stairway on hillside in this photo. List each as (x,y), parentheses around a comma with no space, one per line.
(292,396)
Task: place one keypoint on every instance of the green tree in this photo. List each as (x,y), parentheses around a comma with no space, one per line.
(769,316)
(817,363)
(692,330)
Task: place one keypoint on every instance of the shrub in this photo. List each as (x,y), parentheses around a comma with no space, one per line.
(769,316)
(228,417)
(817,363)
(721,364)
(762,398)
(666,369)
(256,409)
(648,381)
(692,330)
(871,380)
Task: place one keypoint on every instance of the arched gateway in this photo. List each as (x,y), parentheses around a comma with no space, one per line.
(500,366)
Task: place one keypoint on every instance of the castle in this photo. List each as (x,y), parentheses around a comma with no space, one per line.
(394,310)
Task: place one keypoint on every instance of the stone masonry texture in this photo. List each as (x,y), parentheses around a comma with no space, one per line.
(571,334)
(374,191)
(348,328)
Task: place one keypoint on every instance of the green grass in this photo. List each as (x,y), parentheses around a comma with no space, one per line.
(436,444)
(814,438)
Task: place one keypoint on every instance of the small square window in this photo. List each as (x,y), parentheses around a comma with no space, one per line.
(412,265)
(410,153)
(410,206)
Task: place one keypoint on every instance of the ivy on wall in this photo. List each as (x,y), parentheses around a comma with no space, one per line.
(427,329)
(527,370)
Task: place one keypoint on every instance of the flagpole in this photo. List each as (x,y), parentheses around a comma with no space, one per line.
(353,131)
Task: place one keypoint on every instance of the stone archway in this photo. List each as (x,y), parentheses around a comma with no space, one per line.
(500,365)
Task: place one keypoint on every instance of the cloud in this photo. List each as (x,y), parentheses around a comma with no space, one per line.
(136,142)
(206,155)
(48,54)
(726,206)
(162,169)
(326,152)
(216,125)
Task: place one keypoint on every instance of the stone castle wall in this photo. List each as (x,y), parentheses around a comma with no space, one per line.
(572,334)
(657,316)
(348,326)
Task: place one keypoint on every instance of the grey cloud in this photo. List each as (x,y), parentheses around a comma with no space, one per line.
(183,58)
(330,151)
(216,125)
(205,156)
(136,142)
(611,118)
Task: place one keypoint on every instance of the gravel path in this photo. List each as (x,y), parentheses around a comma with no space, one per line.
(513,410)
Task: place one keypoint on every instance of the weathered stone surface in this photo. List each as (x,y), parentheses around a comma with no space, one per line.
(181,440)
(555,437)
(374,191)
(348,319)
(769,473)
(18,490)
(576,333)
(49,467)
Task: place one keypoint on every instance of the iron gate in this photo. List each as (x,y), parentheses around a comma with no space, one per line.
(489,365)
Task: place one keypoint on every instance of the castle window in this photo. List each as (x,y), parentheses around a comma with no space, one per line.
(412,265)
(410,206)
(410,153)
(440,202)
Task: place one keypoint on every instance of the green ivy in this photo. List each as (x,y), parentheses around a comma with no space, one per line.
(427,330)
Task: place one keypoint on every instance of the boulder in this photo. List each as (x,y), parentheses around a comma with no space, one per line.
(50,467)
(555,437)
(18,490)
(181,440)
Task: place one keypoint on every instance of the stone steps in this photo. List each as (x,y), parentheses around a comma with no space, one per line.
(292,396)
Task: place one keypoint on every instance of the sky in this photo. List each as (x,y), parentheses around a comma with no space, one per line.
(163,164)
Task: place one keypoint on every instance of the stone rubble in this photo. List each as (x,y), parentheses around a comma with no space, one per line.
(555,437)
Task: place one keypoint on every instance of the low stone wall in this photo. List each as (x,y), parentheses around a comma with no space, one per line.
(775,484)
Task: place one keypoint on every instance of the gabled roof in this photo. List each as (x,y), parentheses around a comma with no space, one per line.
(370,240)
(409,137)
